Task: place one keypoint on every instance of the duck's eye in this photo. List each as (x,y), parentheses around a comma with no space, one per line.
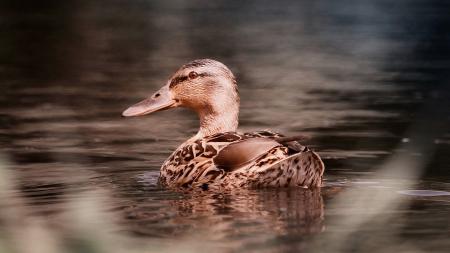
(192,75)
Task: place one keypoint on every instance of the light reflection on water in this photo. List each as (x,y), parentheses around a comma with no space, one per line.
(351,75)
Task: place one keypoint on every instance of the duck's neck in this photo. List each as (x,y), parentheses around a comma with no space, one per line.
(214,120)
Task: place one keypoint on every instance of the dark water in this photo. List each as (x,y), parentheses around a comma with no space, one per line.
(367,81)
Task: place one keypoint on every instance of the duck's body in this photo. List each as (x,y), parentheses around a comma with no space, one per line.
(250,160)
(218,157)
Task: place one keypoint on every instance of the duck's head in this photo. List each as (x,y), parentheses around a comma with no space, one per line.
(205,86)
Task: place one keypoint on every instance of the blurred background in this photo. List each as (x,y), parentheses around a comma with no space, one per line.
(367,81)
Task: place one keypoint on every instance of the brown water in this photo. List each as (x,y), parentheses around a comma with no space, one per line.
(366,81)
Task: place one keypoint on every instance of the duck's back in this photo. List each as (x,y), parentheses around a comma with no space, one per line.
(249,160)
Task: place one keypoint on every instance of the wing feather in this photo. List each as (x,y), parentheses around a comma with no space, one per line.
(240,153)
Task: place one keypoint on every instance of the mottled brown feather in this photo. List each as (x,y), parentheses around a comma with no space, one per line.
(251,160)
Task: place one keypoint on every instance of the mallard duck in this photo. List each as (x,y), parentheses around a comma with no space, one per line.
(218,156)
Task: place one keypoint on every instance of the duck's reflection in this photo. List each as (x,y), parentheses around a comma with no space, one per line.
(244,213)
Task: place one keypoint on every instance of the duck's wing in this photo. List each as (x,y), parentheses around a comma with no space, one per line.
(291,142)
(238,154)
(244,148)
(282,162)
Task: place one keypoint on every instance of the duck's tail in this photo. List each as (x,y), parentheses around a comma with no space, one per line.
(304,169)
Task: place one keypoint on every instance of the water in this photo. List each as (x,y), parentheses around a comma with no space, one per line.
(366,81)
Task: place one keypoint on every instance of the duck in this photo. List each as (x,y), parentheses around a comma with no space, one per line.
(218,156)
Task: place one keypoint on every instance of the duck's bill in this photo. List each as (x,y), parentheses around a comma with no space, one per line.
(161,100)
